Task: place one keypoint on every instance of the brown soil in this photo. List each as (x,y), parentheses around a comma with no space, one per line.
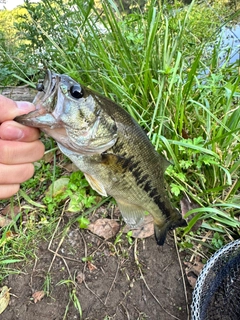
(111,286)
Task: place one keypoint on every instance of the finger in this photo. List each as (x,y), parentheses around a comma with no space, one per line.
(11,130)
(15,152)
(10,109)
(6,191)
(15,174)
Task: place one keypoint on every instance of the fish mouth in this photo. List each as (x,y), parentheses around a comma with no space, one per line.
(46,88)
(44,101)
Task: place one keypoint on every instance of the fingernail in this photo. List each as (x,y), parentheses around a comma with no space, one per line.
(25,106)
(13,133)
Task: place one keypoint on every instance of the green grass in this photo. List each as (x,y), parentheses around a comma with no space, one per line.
(157,63)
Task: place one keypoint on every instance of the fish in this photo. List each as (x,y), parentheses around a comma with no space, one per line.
(109,147)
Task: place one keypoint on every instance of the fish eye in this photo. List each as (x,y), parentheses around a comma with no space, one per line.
(76,91)
(40,86)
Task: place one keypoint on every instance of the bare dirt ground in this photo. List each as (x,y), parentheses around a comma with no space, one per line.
(142,281)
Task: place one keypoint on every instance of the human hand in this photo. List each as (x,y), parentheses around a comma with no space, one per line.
(19,146)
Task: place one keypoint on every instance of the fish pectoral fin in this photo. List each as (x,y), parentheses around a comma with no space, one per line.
(96,185)
(132,214)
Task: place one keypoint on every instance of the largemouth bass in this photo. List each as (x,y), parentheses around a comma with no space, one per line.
(109,147)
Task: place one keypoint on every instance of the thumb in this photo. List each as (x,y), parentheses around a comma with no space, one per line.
(10,109)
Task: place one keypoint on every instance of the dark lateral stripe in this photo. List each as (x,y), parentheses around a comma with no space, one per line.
(147,187)
(127,162)
(153,194)
(136,171)
(144,182)
(118,149)
(142,179)
(162,207)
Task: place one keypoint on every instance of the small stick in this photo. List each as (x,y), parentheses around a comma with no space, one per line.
(183,279)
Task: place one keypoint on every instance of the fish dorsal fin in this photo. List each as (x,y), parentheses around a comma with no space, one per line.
(132,214)
(95,184)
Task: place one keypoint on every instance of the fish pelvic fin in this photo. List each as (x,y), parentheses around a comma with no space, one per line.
(95,184)
(132,214)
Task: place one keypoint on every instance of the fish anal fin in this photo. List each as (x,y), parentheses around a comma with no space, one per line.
(132,214)
(95,184)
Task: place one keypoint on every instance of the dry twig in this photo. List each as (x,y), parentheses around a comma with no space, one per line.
(183,279)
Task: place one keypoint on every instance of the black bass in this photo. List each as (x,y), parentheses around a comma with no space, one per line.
(109,147)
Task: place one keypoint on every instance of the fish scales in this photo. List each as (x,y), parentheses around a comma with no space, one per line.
(137,155)
(133,175)
(109,147)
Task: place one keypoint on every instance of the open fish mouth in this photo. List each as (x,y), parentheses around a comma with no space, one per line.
(46,88)
(44,100)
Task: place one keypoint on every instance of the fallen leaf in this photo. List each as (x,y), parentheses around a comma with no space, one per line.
(58,187)
(193,270)
(144,230)
(80,277)
(4,221)
(9,234)
(38,295)
(106,228)
(10,210)
(91,266)
(7,214)
(187,205)
(4,298)
(192,279)
(185,134)
(48,156)
(70,167)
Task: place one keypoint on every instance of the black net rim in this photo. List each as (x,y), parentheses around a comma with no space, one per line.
(227,257)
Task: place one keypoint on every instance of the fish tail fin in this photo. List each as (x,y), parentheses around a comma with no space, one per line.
(160,234)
